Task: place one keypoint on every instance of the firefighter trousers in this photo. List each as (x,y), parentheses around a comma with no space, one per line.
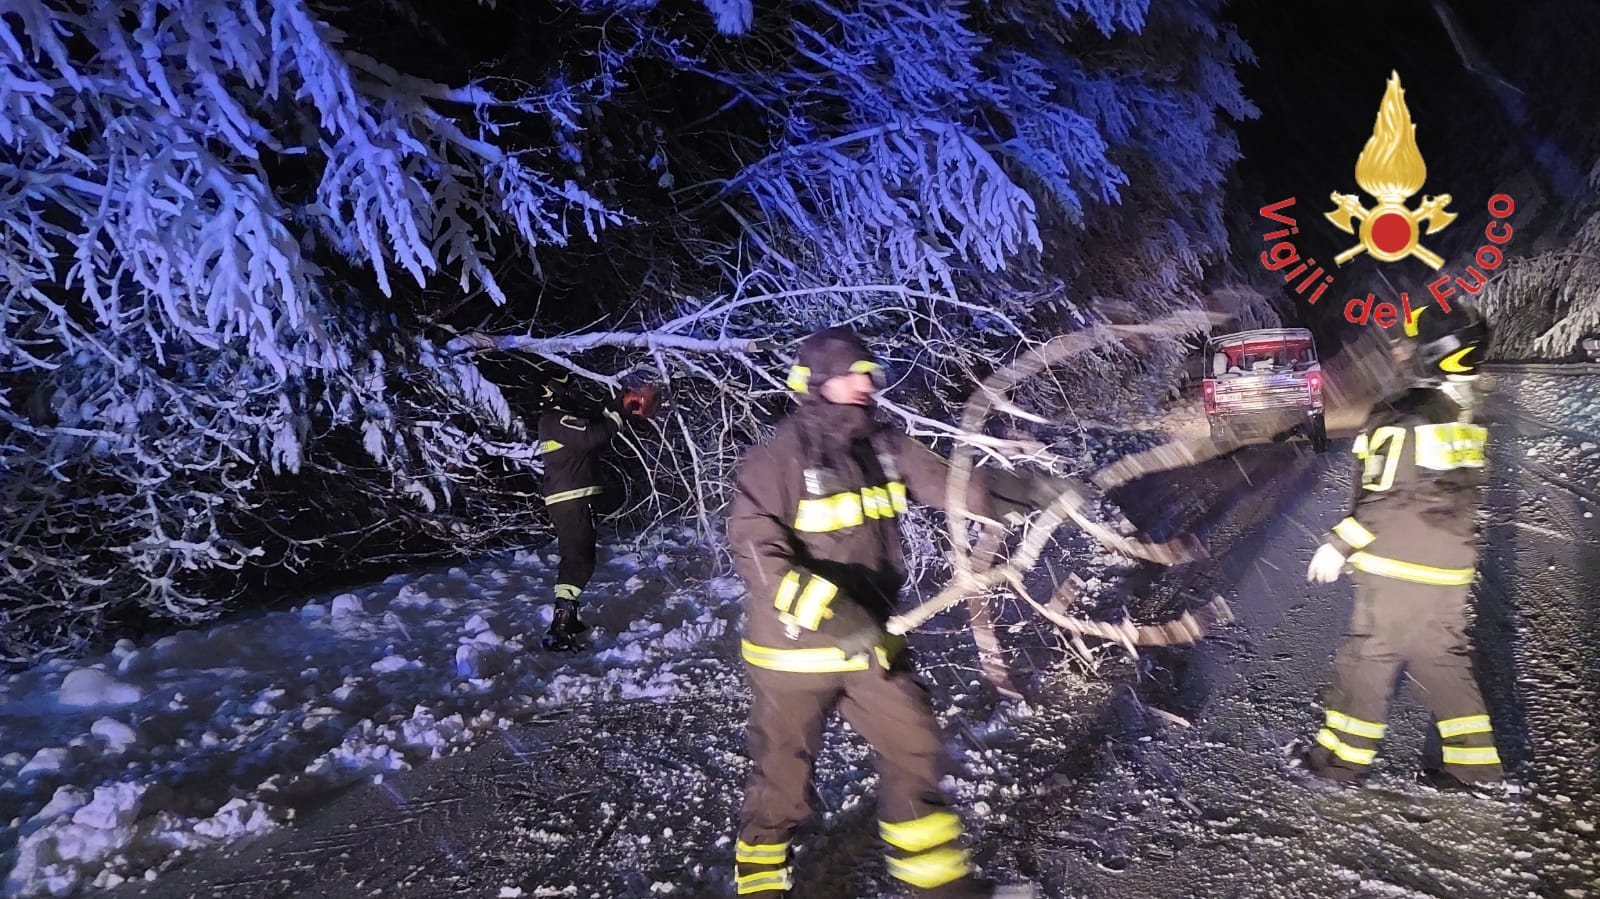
(573,521)
(1400,627)
(890,709)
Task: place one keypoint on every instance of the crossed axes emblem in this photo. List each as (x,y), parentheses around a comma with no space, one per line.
(1349,214)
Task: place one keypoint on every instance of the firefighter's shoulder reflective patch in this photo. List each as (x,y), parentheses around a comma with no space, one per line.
(574,422)
(823,482)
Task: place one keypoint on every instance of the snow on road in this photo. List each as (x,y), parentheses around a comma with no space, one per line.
(116,767)
(616,774)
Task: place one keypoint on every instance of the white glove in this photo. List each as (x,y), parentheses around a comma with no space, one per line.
(1326,565)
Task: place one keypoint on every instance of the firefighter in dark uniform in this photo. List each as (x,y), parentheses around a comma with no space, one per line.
(814,529)
(1411,539)
(570,441)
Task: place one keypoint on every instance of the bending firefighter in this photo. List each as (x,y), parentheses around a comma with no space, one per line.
(1411,539)
(814,529)
(569,441)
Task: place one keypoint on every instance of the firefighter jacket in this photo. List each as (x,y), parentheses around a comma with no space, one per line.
(815,523)
(569,444)
(1415,492)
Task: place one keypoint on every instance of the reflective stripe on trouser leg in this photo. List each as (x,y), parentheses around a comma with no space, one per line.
(1467,747)
(930,869)
(763,881)
(1351,740)
(568,591)
(762,868)
(924,851)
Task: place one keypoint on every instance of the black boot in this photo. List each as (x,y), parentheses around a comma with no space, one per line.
(566,629)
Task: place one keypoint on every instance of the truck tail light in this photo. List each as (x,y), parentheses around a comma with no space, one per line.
(1209,389)
(1314,381)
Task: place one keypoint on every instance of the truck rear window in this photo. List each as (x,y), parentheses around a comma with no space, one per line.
(1258,356)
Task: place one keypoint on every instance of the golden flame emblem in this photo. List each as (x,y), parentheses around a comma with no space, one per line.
(1391,169)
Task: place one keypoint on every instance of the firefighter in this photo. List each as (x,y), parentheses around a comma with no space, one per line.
(1410,538)
(570,438)
(814,529)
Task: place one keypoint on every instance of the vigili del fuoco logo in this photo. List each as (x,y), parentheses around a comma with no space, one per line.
(1389,170)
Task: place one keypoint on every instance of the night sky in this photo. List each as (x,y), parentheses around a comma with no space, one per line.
(1321,75)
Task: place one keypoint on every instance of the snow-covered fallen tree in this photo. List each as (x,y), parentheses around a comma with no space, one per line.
(270,287)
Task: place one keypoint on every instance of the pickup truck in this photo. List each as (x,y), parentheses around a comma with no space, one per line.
(1262,385)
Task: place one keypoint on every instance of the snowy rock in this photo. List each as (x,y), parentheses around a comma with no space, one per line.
(311,611)
(65,801)
(236,819)
(114,805)
(118,736)
(347,604)
(727,588)
(469,661)
(476,624)
(91,687)
(510,892)
(389,664)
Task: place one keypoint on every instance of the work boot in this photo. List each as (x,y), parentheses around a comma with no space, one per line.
(1302,759)
(1445,782)
(566,629)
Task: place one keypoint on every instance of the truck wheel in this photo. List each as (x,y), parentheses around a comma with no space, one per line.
(1318,432)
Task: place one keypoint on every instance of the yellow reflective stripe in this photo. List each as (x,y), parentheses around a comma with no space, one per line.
(1360,447)
(876,503)
(550,446)
(921,834)
(1345,752)
(765,881)
(897,496)
(787,588)
(1369,729)
(850,508)
(830,513)
(931,869)
(822,660)
(865,367)
(1383,458)
(565,495)
(1410,571)
(814,600)
(1354,533)
(568,591)
(1442,447)
(761,853)
(799,378)
(1469,724)
(1471,755)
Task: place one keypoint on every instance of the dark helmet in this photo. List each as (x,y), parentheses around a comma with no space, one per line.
(830,353)
(1449,343)
(559,388)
